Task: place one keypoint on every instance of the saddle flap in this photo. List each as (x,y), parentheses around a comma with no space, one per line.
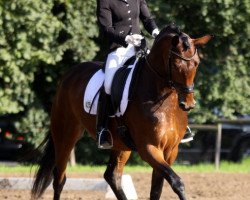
(118,85)
(122,87)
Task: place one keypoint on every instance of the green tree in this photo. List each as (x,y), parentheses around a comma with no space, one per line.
(39,40)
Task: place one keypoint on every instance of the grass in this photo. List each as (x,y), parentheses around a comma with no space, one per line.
(225,167)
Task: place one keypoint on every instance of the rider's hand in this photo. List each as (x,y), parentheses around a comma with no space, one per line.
(134,39)
(155,32)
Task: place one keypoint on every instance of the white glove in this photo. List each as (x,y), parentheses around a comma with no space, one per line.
(134,39)
(155,32)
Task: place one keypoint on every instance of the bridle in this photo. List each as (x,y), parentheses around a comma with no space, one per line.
(171,83)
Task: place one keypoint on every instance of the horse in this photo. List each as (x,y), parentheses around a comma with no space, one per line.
(156,117)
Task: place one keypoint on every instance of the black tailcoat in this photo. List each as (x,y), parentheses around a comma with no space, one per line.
(119,18)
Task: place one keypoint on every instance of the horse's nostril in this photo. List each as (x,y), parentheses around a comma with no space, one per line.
(182,104)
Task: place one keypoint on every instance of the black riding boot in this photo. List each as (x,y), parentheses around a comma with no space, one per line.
(104,137)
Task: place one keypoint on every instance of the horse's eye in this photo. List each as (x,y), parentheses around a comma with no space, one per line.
(196,63)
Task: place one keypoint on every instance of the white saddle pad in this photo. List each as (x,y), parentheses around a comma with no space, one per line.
(91,97)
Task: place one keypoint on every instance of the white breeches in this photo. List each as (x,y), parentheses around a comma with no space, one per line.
(115,60)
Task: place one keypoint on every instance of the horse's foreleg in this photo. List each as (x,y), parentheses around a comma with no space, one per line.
(156,185)
(113,173)
(158,179)
(155,158)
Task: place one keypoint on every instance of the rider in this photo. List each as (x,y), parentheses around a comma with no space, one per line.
(120,22)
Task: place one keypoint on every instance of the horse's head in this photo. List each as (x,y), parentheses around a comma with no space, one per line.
(178,59)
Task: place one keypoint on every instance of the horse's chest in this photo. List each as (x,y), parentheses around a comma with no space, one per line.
(163,122)
(164,118)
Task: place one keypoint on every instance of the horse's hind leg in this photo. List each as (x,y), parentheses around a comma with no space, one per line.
(62,154)
(155,158)
(65,133)
(156,185)
(113,173)
(57,184)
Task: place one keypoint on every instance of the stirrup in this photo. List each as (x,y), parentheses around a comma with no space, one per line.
(189,136)
(106,144)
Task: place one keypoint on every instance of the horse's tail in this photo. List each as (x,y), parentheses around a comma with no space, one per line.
(46,163)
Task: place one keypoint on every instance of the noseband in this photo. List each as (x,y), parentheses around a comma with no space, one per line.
(171,82)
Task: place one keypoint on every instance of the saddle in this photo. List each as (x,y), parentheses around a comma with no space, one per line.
(122,73)
(119,81)
(118,85)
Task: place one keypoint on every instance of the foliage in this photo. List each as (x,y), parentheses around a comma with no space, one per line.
(26,38)
(39,40)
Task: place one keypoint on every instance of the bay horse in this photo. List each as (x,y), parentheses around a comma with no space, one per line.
(156,118)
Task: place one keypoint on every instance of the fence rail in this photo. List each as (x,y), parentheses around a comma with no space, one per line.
(218,128)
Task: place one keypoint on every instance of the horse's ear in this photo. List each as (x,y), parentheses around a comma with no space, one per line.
(175,40)
(202,40)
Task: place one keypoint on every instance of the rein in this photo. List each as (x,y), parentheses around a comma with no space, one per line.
(173,84)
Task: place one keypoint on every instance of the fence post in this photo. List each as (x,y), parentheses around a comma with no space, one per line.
(218,146)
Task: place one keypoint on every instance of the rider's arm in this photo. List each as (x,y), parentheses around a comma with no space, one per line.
(104,17)
(146,18)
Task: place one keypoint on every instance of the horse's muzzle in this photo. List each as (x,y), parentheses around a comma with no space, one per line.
(185,107)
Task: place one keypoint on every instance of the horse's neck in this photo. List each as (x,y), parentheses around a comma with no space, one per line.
(155,99)
(154,77)
(158,99)
(158,62)
(155,90)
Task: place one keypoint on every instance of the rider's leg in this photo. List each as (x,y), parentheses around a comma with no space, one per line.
(104,137)
(114,61)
